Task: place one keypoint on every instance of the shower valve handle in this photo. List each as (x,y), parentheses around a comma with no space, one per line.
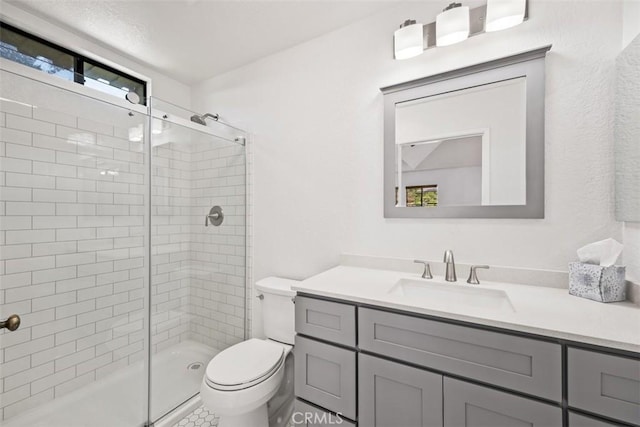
(215,216)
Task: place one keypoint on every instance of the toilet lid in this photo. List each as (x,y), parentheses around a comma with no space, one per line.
(245,363)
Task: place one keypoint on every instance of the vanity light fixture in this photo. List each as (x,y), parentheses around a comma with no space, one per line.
(456,23)
(452,25)
(408,40)
(503,14)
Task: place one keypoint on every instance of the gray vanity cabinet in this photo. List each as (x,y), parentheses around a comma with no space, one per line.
(393,395)
(377,368)
(470,405)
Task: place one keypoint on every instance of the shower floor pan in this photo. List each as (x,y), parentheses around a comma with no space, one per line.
(118,400)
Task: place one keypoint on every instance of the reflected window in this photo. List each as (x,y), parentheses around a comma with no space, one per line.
(421,195)
(26,49)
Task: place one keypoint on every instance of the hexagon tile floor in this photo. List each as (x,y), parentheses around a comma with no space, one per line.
(201,417)
(198,418)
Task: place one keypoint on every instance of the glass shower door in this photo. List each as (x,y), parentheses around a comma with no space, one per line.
(74,258)
(197,267)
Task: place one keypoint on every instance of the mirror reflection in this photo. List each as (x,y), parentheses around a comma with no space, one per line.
(463,148)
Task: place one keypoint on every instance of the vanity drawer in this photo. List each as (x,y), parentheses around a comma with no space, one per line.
(527,365)
(470,405)
(326,375)
(604,384)
(306,415)
(577,420)
(331,321)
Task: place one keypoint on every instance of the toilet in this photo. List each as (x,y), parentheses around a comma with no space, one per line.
(240,380)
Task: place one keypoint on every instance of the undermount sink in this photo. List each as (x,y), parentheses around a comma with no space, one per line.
(452,294)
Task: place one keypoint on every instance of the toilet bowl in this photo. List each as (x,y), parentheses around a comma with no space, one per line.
(240,380)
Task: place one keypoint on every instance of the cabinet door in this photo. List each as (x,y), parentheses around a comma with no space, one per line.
(326,376)
(395,395)
(604,384)
(470,405)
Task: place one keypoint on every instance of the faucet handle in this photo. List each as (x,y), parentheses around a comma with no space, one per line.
(473,277)
(426,273)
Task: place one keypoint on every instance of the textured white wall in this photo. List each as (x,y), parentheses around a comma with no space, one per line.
(317,113)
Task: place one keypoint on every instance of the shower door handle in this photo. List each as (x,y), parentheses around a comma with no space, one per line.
(12,323)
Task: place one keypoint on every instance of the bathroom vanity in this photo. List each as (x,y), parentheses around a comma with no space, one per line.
(374,349)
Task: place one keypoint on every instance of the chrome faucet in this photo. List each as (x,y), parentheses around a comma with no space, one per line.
(450,273)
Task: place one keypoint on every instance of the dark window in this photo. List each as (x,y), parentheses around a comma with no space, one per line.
(27,49)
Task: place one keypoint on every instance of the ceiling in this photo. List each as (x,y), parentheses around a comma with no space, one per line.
(192,40)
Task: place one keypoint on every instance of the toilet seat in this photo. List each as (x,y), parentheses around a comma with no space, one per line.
(244,365)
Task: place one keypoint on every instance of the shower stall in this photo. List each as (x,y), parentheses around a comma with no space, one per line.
(123,252)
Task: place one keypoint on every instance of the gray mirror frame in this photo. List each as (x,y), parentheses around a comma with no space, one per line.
(530,64)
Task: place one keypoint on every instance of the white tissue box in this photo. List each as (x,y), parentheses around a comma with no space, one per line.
(594,282)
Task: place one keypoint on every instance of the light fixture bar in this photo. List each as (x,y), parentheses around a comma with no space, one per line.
(477,18)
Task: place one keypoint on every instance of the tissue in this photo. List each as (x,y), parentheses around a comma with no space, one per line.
(603,253)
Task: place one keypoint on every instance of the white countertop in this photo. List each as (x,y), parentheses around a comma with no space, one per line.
(538,310)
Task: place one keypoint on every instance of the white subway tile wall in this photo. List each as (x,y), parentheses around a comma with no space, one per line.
(218,254)
(73,251)
(198,272)
(73,256)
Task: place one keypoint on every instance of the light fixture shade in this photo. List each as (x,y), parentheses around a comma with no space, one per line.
(503,14)
(408,40)
(452,26)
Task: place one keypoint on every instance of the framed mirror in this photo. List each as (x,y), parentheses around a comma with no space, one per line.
(467,143)
(627,133)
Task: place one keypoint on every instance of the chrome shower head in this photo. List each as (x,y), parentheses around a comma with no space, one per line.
(200,119)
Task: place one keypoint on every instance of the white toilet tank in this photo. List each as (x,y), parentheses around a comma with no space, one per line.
(278,309)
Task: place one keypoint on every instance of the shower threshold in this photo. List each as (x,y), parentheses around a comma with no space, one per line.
(118,400)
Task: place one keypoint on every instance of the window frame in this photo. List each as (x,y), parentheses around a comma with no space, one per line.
(79,61)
